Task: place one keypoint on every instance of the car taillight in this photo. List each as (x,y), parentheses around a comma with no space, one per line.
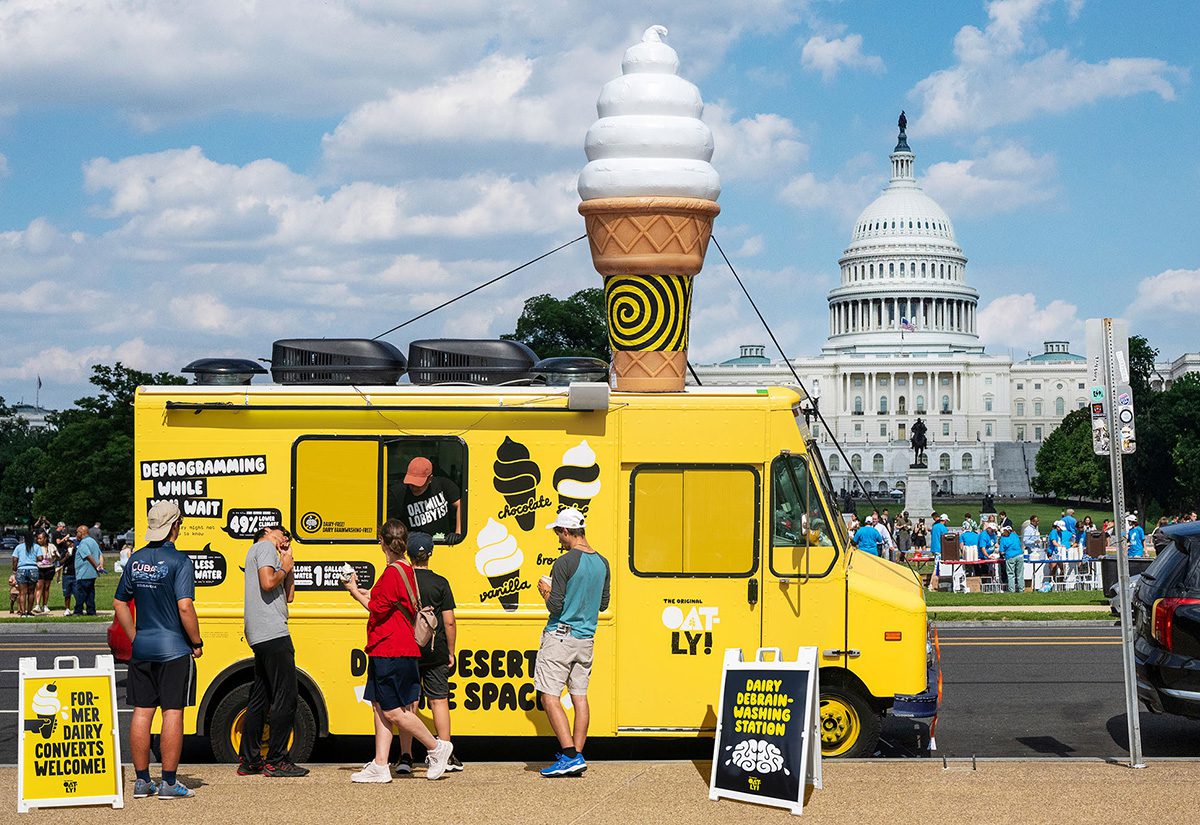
(1164,616)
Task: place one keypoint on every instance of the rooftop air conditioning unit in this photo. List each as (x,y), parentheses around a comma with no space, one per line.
(336,361)
(469,361)
(225,372)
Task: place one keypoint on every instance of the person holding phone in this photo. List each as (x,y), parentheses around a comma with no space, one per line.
(393,658)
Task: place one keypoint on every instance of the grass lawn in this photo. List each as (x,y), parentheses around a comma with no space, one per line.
(1018,510)
(1018,616)
(936,600)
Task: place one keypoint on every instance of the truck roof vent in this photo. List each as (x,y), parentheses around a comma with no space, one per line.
(560,372)
(336,361)
(228,372)
(468,361)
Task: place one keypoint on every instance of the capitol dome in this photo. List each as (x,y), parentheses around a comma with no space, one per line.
(902,286)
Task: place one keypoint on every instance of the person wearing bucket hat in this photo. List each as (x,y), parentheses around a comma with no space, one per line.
(1137,537)
(577,593)
(166,643)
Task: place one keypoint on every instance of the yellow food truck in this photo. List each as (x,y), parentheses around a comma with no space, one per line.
(712,506)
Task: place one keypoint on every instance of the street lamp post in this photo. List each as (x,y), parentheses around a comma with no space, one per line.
(29,491)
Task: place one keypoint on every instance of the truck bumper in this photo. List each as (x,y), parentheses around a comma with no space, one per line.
(922,705)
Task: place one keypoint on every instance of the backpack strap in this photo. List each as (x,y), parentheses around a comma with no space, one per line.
(415,598)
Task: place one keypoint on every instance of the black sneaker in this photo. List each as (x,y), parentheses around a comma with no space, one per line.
(249,768)
(453,765)
(284,768)
(404,764)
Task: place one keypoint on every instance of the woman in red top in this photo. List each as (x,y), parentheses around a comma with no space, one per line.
(393,679)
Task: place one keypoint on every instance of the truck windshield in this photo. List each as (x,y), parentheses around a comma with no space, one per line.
(818,463)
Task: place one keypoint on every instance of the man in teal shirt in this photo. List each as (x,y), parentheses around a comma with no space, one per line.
(1014,559)
(866,538)
(88,564)
(576,594)
(1137,538)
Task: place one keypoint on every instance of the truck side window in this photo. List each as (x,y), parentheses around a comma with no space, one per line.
(335,489)
(801,538)
(440,508)
(694,520)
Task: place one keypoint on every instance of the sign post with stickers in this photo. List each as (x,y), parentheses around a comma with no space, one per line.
(768,747)
(69,751)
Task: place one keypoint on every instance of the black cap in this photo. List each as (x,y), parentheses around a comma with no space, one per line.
(420,544)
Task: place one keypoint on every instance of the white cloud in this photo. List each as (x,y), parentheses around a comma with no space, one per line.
(829,56)
(1016,321)
(1002,179)
(1005,73)
(58,363)
(844,194)
(764,145)
(1175,291)
(752,246)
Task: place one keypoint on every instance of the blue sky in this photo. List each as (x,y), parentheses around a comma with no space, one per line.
(179,180)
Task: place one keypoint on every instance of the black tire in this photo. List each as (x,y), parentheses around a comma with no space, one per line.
(849,725)
(228,712)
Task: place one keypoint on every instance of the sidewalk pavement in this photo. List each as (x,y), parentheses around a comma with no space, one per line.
(669,793)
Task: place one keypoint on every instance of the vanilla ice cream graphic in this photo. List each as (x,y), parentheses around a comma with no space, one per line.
(499,558)
(516,478)
(46,706)
(649,199)
(577,481)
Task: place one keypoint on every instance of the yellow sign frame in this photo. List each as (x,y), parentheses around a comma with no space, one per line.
(58,740)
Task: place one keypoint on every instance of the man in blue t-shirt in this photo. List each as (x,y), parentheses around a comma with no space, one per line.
(576,594)
(1071,525)
(940,528)
(866,538)
(166,643)
(88,564)
(1014,559)
(1137,537)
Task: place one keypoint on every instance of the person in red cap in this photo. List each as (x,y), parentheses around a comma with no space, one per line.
(429,504)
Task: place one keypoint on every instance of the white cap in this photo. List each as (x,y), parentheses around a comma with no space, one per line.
(943,517)
(568,518)
(1060,524)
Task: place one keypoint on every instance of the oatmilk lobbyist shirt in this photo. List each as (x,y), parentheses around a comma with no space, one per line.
(432,510)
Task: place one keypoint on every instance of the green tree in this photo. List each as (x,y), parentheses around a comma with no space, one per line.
(1067,466)
(571,326)
(16,473)
(86,472)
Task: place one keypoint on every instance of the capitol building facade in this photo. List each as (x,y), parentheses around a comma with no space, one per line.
(903,342)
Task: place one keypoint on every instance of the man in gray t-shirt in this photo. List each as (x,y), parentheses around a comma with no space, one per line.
(270,586)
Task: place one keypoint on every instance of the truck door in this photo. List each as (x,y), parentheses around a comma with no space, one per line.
(689,589)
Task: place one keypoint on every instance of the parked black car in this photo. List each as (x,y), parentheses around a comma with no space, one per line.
(1166,617)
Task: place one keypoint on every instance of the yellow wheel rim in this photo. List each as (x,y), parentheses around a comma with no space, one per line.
(840,726)
(235,734)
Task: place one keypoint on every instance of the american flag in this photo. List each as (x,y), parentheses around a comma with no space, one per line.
(907,325)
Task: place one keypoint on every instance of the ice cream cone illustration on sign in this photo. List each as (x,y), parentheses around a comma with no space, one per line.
(649,198)
(46,706)
(577,481)
(499,558)
(516,479)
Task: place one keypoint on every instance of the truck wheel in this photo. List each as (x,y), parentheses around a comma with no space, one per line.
(225,732)
(849,725)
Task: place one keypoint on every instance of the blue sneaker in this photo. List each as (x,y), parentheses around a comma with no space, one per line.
(176,791)
(565,766)
(143,788)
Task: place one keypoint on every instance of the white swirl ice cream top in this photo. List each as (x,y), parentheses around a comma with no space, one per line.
(582,456)
(46,701)
(498,551)
(649,140)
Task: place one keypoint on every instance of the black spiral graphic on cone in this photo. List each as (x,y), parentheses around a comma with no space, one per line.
(648,313)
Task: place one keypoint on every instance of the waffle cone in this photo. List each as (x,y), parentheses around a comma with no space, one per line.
(650,371)
(648,235)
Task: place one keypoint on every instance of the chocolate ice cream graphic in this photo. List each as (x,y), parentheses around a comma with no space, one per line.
(516,479)
(577,481)
(46,706)
(499,558)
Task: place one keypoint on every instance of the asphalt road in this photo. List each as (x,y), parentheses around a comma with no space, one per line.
(1032,692)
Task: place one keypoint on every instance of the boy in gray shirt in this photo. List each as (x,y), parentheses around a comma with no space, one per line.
(270,586)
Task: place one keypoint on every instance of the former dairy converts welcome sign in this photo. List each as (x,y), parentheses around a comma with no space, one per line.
(69,750)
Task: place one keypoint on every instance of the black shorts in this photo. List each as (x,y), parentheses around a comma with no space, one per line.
(392,681)
(435,680)
(168,685)
(46,574)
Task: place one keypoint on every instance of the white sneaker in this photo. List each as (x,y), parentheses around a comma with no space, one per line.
(372,772)
(67,612)
(439,757)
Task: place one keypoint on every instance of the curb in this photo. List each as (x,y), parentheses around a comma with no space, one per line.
(98,629)
(1030,624)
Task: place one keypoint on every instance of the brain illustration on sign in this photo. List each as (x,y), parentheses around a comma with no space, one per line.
(757,756)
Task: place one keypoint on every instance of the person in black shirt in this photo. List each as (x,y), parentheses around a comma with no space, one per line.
(437,659)
(428,505)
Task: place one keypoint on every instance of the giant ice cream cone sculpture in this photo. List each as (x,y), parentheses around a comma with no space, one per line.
(649,198)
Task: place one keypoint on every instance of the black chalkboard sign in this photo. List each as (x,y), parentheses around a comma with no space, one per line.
(767,748)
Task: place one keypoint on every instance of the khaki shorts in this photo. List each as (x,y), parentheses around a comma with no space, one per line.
(563,660)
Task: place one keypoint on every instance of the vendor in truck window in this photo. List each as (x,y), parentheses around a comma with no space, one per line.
(429,504)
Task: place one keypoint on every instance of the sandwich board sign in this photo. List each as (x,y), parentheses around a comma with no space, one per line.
(768,746)
(69,749)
